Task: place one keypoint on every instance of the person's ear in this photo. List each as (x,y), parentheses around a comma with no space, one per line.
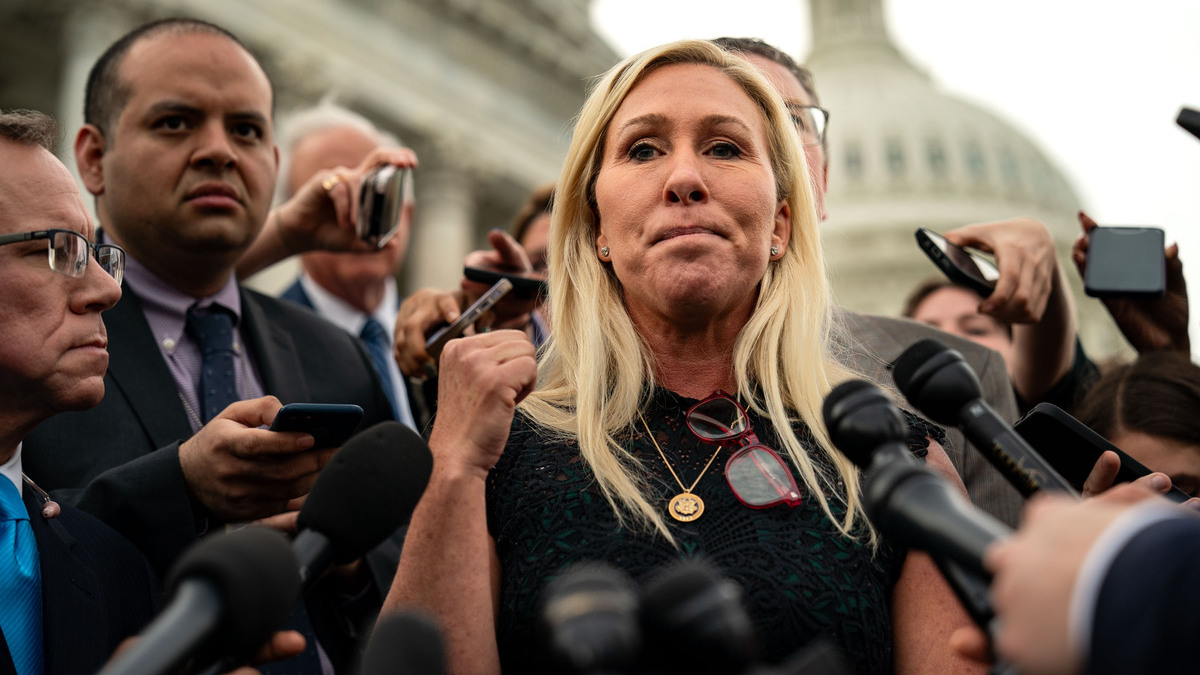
(782,233)
(90,146)
(602,250)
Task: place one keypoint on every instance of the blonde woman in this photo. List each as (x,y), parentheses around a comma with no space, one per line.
(685,263)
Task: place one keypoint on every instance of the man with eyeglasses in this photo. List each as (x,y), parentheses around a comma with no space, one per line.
(178,149)
(876,341)
(84,587)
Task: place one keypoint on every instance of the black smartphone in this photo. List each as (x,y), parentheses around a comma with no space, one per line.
(1072,448)
(1125,262)
(331,424)
(963,266)
(438,340)
(524,285)
(380,202)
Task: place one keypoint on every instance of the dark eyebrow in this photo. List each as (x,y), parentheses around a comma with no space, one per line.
(710,120)
(181,108)
(178,107)
(250,116)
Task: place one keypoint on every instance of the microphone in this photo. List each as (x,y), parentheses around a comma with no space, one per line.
(697,622)
(1189,119)
(366,492)
(228,593)
(407,643)
(908,502)
(937,380)
(590,619)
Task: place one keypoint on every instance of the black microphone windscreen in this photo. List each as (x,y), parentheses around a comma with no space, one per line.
(407,643)
(914,357)
(696,621)
(860,418)
(937,380)
(368,490)
(590,619)
(256,575)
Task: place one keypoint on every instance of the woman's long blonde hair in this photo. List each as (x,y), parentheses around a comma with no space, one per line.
(593,370)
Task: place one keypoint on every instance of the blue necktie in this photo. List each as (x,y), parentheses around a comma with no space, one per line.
(20,583)
(379,347)
(213,332)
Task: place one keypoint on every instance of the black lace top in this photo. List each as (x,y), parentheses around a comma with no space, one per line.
(800,578)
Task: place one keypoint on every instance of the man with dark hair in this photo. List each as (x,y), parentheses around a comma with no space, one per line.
(106,93)
(85,587)
(182,165)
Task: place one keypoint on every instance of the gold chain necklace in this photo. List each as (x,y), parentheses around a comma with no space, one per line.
(685,506)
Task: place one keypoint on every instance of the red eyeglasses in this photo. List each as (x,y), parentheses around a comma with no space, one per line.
(755,473)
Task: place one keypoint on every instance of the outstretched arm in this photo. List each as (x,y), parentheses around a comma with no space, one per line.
(1032,295)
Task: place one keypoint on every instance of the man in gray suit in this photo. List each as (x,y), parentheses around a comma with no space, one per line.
(872,343)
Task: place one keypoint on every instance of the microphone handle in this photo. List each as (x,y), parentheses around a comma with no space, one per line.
(918,508)
(175,634)
(971,589)
(1028,471)
(315,553)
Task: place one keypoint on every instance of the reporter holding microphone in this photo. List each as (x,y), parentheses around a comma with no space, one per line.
(1106,585)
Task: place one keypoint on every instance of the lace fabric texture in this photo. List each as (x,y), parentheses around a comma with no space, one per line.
(800,577)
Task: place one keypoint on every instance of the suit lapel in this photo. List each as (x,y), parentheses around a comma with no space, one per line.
(68,587)
(274,351)
(145,382)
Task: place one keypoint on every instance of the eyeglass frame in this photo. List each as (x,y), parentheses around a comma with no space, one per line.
(747,441)
(824,125)
(117,273)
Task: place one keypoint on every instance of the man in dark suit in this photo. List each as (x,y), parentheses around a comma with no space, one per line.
(356,291)
(95,587)
(178,150)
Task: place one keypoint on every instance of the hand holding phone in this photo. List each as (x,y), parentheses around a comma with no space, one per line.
(331,424)
(963,266)
(435,343)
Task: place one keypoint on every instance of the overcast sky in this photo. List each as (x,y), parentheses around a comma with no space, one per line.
(1096,83)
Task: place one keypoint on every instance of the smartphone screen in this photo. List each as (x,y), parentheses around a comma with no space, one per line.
(525,284)
(1125,262)
(1072,448)
(962,266)
(485,302)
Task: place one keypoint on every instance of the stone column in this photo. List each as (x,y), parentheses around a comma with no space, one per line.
(444,231)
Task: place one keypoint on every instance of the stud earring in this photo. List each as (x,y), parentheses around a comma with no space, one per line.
(603,251)
(774,250)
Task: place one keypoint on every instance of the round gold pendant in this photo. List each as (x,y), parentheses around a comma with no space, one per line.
(685,507)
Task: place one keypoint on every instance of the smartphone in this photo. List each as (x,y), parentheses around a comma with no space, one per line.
(1125,262)
(963,266)
(331,424)
(1072,448)
(438,340)
(380,202)
(525,285)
